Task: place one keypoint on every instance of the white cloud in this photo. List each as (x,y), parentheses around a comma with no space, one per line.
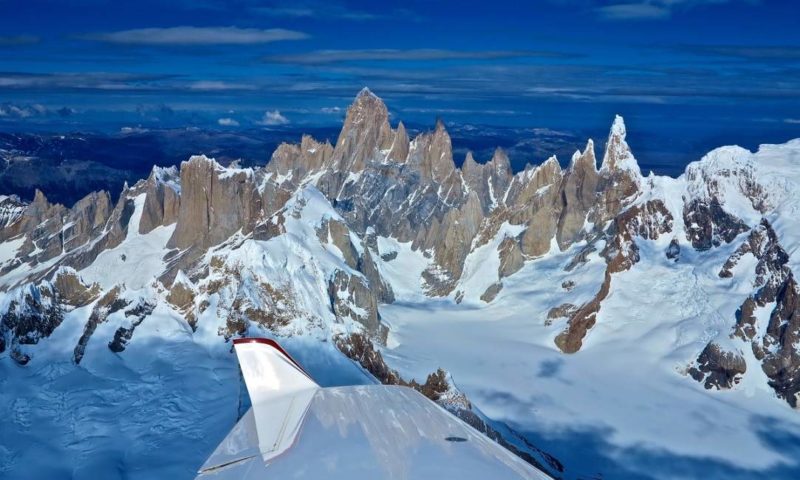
(330,110)
(273,117)
(794,121)
(228,122)
(197,36)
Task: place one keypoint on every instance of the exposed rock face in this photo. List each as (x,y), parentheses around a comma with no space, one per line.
(11,210)
(511,258)
(780,343)
(367,266)
(337,233)
(578,194)
(489,180)
(709,225)
(534,200)
(162,203)
(215,203)
(492,292)
(108,304)
(33,314)
(620,178)
(182,296)
(718,368)
(351,297)
(72,291)
(673,250)
(366,131)
(135,316)
(571,339)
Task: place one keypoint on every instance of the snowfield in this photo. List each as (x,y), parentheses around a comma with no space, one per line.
(623,403)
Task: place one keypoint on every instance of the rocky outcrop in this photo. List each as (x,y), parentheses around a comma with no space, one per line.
(33,314)
(718,368)
(367,266)
(11,210)
(336,233)
(135,316)
(108,304)
(709,225)
(570,340)
(620,178)
(781,342)
(488,180)
(491,292)
(72,290)
(351,297)
(182,295)
(365,133)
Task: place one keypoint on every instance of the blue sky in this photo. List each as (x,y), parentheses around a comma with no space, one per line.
(713,70)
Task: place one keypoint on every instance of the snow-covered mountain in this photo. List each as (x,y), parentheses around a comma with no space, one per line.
(596,321)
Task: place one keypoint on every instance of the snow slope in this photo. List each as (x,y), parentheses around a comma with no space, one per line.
(623,404)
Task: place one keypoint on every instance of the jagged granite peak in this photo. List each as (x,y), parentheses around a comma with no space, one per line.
(398,152)
(365,133)
(215,203)
(500,162)
(469,165)
(162,201)
(432,154)
(490,180)
(618,155)
(586,158)
(291,162)
(620,180)
(578,196)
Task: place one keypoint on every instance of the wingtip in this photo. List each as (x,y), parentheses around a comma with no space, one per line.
(274,344)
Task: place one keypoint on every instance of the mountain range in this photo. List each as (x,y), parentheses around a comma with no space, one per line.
(594,320)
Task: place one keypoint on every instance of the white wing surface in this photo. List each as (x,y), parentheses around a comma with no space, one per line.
(296,429)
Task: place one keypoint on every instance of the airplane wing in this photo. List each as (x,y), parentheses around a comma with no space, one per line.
(296,429)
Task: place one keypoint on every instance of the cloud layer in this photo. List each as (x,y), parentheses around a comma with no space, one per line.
(388,54)
(188,36)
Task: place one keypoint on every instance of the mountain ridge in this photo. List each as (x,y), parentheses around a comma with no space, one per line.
(314,243)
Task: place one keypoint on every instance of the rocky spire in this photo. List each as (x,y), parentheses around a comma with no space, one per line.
(439,153)
(365,131)
(578,195)
(618,155)
(620,178)
(584,160)
(399,150)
